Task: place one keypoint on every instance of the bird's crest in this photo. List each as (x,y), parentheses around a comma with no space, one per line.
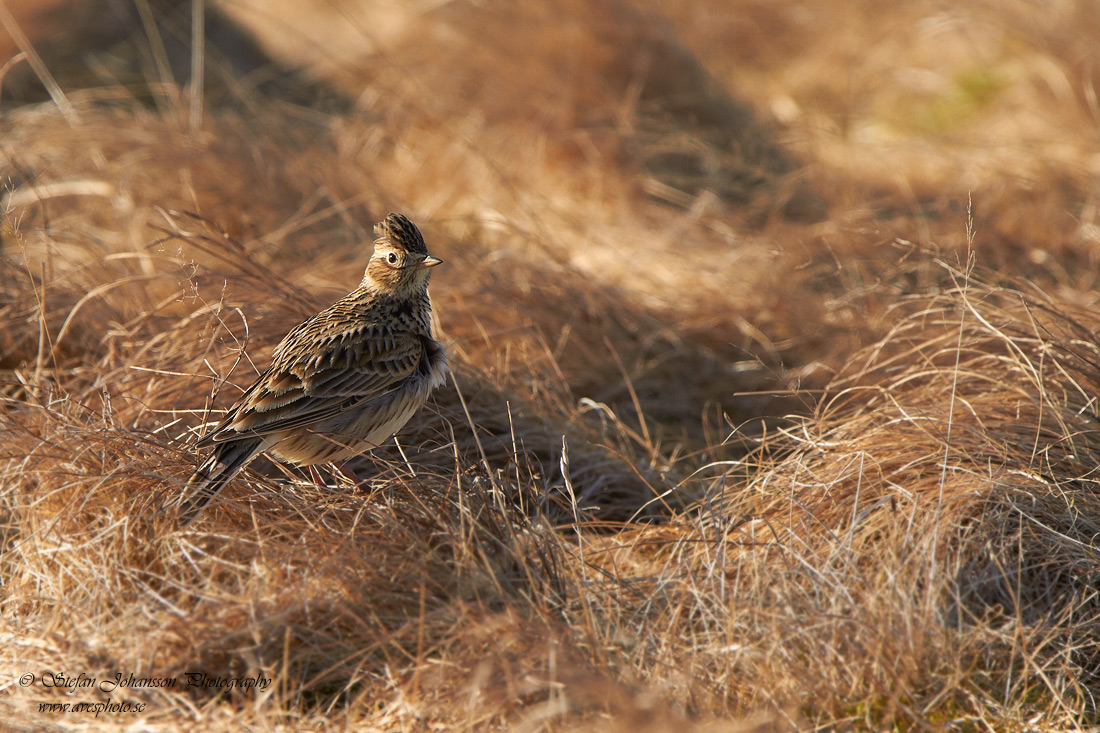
(402,233)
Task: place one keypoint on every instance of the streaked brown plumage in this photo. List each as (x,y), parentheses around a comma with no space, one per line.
(341,382)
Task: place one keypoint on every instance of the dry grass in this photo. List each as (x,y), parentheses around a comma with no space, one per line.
(739,436)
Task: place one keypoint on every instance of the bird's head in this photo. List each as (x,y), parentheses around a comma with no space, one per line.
(400,263)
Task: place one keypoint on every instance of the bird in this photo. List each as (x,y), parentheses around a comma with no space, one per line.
(341,382)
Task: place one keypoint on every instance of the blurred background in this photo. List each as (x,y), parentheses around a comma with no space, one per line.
(750,174)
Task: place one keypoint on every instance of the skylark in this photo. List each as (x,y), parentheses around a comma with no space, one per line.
(343,381)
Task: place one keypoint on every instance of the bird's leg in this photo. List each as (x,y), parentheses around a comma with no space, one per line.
(347,472)
(316,476)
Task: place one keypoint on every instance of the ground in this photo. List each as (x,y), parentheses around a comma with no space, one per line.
(774,349)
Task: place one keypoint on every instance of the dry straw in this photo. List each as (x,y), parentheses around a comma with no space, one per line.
(559,541)
(921,549)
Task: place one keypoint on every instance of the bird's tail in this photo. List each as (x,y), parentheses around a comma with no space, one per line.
(209,478)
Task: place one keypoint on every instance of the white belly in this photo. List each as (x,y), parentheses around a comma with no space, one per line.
(350,434)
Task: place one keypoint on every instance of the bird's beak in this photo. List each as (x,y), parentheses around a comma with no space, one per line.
(430,261)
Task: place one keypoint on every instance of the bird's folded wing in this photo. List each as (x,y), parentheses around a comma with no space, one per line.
(319,384)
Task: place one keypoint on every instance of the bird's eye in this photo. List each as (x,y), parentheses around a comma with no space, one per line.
(391,258)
